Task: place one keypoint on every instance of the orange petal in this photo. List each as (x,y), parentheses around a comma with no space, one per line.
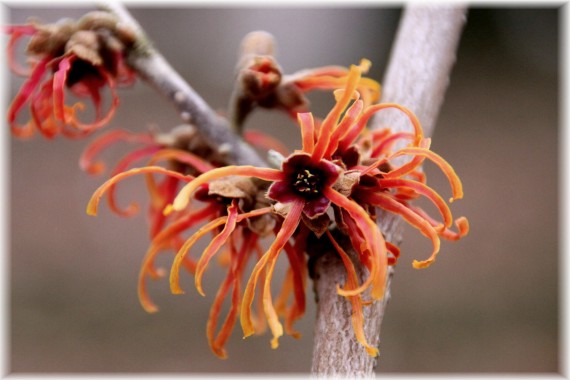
(455,182)
(307,124)
(348,121)
(333,116)
(357,316)
(86,161)
(175,269)
(121,167)
(215,245)
(424,190)
(374,242)
(94,201)
(183,197)
(287,229)
(217,346)
(159,242)
(183,251)
(386,202)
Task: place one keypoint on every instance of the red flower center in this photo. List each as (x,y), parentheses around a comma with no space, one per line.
(308,183)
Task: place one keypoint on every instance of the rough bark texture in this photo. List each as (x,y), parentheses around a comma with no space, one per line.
(152,67)
(417,77)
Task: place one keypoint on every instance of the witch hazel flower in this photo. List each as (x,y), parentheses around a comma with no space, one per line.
(339,168)
(83,57)
(168,156)
(335,183)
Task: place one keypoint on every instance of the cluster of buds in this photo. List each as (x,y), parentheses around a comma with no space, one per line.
(260,81)
(84,56)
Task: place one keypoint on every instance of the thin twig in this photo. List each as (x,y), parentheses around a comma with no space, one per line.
(154,68)
(417,77)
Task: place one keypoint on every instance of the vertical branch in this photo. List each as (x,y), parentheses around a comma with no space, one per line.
(417,77)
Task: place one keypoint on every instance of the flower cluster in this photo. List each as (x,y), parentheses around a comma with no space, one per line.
(340,176)
(84,56)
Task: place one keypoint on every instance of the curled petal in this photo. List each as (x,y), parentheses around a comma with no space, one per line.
(160,241)
(184,157)
(350,117)
(387,203)
(455,182)
(333,116)
(217,344)
(183,197)
(395,251)
(68,116)
(183,251)
(17,31)
(175,269)
(59,80)
(357,316)
(93,204)
(382,146)
(72,120)
(234,276)
(156,195)
(424,190)
(215,245)
(41,108)
(22,97)
(461,223)
(407,168)
(373,241)
(160,197)
(86,161)
(288,227)
(121,167)
(370,111)
(294,282)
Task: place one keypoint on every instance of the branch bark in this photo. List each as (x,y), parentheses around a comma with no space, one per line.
(421,60)
(153,67)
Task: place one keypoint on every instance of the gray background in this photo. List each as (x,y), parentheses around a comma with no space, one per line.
(489,304)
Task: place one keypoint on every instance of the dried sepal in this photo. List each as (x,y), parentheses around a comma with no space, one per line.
(232,187)
(346,182)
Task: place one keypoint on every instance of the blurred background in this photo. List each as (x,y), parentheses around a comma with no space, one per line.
(489,304)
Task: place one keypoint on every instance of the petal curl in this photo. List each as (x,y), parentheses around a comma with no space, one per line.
(357,316)
(373,240)
(183,197)
(215,245)
(387,203)
(87,160)
(93,204)
(287,229)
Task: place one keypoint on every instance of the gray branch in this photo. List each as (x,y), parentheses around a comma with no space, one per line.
(417,77)
(153,67)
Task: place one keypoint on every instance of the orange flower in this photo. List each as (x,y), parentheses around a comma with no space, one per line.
(342,168)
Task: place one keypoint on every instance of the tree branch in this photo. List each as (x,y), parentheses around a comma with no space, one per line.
(417,77)
(153,67)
